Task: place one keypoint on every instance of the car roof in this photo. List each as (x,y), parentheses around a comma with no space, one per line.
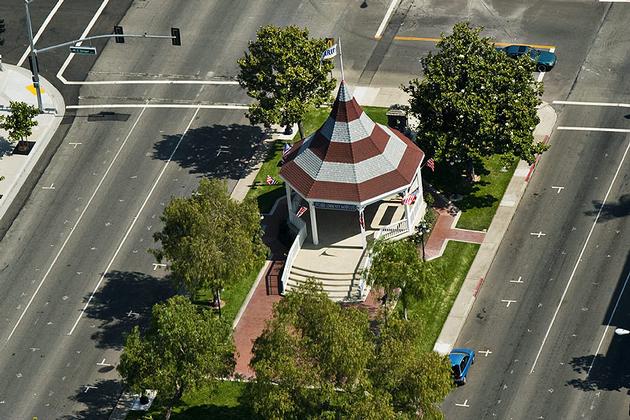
(457,356)
(517,48)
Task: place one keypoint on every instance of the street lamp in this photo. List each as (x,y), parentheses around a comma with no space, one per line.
(33,57)
(421,229)
(621,331)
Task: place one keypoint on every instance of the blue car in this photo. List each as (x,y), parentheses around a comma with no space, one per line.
(461,360)
(545,60)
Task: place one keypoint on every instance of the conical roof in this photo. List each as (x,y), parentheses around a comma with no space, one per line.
(350,158)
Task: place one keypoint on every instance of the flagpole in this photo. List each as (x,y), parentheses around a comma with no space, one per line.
(341,60)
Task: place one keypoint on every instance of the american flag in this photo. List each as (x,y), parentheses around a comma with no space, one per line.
(301,211)
(286,149)
(361,220)
(431,164)
(409,199)
(270,180)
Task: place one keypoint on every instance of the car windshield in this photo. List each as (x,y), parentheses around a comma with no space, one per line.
(456,371)
(462,365)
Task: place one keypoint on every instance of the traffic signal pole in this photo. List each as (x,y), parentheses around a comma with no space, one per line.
(34,63)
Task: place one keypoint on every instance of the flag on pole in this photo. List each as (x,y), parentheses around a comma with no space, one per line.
(361,220)
(285,150)
(270,180)
(301,211)
(431,164)
(409,199)
(329,53)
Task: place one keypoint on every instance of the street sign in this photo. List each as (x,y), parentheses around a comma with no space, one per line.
(83,50)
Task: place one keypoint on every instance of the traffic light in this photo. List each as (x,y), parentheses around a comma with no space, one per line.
(176,38)
(118,30)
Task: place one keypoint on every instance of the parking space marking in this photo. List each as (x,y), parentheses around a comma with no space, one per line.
(508,302)
(517,281)
(579,103)
(538,234)
(602,129)
(485,352)
(464,404)
(559,188)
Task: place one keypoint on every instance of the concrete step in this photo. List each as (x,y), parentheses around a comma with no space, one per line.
(324,282)
(320,274)
(339,287)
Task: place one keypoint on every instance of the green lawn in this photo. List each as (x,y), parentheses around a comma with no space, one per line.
(432,311)
(223,404)
(266,195)
(480,199)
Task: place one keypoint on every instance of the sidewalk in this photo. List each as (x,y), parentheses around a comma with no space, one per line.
(16,85)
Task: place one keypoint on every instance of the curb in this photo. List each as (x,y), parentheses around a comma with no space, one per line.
(487,251)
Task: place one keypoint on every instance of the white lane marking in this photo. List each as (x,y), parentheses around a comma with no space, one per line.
(83,35)
(385,21)
(517,281)
(40,31)
(75,144)
(508,302)
(537,234)
(604,129)
(88,387)
(183,106)
(614,1)
(151,82)
(52,187)
(158,265)
(608,324)
(103,363)
(133,223)
(485,352)
(579,259)
(579,103)
(559,189)
(464,404)
(63,246)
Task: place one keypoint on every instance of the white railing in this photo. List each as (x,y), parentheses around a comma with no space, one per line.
(417,207)
(295,248)
(392,230)
(364,272)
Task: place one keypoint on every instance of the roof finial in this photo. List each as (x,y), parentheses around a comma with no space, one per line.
(341,60)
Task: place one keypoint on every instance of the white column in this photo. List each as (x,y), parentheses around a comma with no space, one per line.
(287,187)
(407,215)
(313,217)
(362,226)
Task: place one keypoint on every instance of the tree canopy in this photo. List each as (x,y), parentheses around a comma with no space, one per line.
(185,347)
(317,359)
(396,265)
(210,240)
(284,73)
(474,100)
(20,122)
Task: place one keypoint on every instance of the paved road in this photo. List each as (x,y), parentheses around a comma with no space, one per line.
(82,235)
(546,303)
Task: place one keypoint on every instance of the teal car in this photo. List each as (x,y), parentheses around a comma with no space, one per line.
(461,360)
(545,60)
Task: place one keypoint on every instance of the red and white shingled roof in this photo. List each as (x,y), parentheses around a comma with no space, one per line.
(350,158)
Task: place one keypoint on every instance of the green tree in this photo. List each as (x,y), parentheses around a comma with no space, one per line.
(20,122)
(396,265)
(417,381)
(317,359)
(474,101)
(284,73)
(185,347)
(209,239)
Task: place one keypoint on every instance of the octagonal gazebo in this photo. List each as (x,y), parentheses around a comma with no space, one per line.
(349,163)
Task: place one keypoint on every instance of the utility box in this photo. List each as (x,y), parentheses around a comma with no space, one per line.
(397,117)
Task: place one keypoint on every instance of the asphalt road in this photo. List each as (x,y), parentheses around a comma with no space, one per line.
(74,271)
(547,301)
(84,242)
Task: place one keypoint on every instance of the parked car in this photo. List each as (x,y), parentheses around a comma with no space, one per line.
(545,60)
(461,360)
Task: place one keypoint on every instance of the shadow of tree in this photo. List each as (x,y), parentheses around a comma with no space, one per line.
(606,375)
(217,151)
(612,210)
(98,400)
(5,146)
(124,301)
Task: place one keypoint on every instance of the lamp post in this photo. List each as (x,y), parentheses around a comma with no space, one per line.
(33,57)
(621,331)
(421,229)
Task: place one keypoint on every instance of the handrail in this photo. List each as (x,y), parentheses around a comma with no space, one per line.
(293,251)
